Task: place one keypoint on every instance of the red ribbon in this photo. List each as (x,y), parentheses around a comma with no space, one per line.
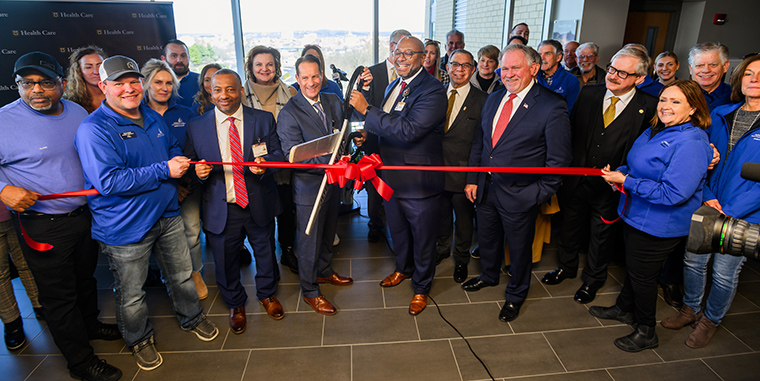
(41,246)
(625,204)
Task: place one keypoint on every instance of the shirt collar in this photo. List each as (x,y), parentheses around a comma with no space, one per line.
(221,117)
(625,98)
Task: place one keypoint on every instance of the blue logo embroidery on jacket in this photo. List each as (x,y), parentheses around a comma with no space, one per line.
(665,144)
(160,133)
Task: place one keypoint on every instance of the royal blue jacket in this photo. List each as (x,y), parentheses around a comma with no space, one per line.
(719,97)
(650,86)
(738,197)
(564,84)
(666,175)
(127,164)
(176,117)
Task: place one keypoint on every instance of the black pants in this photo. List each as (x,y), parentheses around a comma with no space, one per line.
(286,221)
(461,227)
(582,211)
(64,276)
(645,255)
(374,208)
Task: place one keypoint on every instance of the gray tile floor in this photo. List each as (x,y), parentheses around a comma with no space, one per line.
(374,338)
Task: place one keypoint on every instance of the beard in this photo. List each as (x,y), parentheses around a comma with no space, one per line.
(180,69)
(41,108)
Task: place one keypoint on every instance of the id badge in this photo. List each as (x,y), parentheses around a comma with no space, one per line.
(399,106)
(260,149)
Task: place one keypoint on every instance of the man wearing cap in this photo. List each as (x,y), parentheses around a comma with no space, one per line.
(37,157)
(131,158)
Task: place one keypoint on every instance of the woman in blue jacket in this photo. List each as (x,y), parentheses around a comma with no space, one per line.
(735,134)
(663,180)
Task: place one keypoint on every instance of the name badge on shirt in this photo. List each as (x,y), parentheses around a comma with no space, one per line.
(260,149)
(127,135)
(399,106)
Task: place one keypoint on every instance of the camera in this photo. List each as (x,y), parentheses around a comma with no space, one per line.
(713,232)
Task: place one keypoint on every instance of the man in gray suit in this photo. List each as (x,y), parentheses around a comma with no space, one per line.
(307,116)
(462,118)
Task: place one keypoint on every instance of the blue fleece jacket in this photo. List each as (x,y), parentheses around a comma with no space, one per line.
(127,164)
(738,197)
(564,84)
(666,175)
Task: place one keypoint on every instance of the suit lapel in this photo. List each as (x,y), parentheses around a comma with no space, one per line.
(463,112)
(249,127)
(211,136)
(388,91)
(522,110)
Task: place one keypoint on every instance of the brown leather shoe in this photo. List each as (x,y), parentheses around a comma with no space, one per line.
(686,316)
(336,279)
(200,286)
(321,305)
(393,279)
(419,302)
(273,307)
(701,335)
(237,320)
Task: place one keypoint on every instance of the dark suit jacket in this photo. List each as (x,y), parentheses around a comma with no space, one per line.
(538,135)
(412,136)
(457,141)
(587,116)
(378,87)
(297,123)
(202,143)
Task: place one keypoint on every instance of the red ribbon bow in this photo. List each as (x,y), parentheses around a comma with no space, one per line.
(364,171)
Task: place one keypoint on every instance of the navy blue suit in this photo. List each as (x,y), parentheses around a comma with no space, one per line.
(538,135)
(413,136)
(227,224)
(299,122)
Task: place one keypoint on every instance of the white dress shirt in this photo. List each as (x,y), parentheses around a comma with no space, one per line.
(622,103)
(223,135)
(397,89)
(515,104)
(462,93)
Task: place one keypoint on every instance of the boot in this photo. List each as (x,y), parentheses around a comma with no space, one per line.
(685,317)
(701,335)
(14,334)
(644,337)
(200,286)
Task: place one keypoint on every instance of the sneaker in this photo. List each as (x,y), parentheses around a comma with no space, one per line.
(205,330)
(14,334)
(101,371)
(146,355)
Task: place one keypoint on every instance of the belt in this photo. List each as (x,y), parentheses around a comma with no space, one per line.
(33,214)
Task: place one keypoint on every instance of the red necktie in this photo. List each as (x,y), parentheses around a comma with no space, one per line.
(241,195)
(401,92)
(501,125)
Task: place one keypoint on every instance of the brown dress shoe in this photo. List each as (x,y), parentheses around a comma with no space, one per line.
(321,305)
(237,320)
(336,279)
(393,279)
(273,307)
(419,302)
(701,335)
(685,317)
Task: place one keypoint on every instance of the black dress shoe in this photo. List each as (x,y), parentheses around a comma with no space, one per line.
(612,313)
(475,252)
(644,337)
(460,272)
(585,294)
(557,276)
(672,294)
(101,371)
(14,334)
(475,284)
(104,331)
(289,260)
(374,236)
(39,313)
(441,257)
(245,257)
(510,311)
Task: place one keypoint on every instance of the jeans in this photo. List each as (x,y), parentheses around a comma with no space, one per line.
(129,264)
(726,269)
(191,216)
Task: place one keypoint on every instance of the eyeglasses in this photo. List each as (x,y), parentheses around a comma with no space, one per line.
(46,84)
(407,54)
(457,65)
(582,57)
(620,74)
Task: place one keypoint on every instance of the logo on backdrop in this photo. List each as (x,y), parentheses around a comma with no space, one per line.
(8,51)
(115,32)
(141,15)
(34,32)
(74,15)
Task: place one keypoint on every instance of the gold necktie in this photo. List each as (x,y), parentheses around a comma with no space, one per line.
(394,75)
(452,97)
(609,113)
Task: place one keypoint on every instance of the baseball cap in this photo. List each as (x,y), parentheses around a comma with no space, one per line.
(39,61)
(114,67)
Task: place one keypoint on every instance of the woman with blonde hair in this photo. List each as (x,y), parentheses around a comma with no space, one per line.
(432,62)
(83,77)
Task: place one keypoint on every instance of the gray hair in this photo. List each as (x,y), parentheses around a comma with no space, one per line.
(588,45)
(642,67)
(465,52)
(398,34)
(707,47)
(556,44)
(531,55)
(456,32)
(153,67)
